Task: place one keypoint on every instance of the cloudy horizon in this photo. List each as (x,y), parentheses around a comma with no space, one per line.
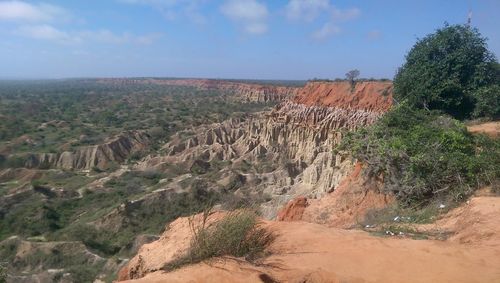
(240,39)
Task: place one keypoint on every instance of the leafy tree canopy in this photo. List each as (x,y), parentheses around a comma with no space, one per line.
(445,70)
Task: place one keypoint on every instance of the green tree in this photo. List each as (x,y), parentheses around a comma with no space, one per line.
(444,70)
(351,76)
(488,102)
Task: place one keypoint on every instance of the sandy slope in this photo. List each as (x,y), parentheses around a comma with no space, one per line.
(491,129)
(307,252)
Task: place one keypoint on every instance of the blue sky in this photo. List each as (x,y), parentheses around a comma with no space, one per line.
(254,39)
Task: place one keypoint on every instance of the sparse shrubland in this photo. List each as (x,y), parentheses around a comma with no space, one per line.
(237,234)
(423,155)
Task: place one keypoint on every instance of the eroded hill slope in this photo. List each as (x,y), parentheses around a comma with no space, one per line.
(307,252)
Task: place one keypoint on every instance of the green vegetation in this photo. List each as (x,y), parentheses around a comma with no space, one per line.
(3,273)
(488,102)
(66,205)
(424,156)
(450,70)
(53,116)
(237,234)
(422,153)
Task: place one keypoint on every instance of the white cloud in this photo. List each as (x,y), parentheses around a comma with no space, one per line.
(172,9)
(310,10)
(250,14)
(148,39)
(50,33)
(326,31)
(151,2)
(19,11)
(109,37)
(46,32)
(307,10)
(340,15)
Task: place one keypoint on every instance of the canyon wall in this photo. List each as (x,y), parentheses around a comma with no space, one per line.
(115,150)
(241,91)
(247,92)
(296,138)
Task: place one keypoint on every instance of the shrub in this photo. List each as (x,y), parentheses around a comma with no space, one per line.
(488,102)
(3,273)
(444,69)
(425,155)
(238,234)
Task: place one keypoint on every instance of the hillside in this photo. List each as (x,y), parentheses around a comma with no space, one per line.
(307,252)
(273,148)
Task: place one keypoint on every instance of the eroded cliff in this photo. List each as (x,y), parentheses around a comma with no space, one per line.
(246,92)
(115,150)
(295,140)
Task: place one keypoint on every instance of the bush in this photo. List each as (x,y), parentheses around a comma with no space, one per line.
(238,234)
(444,69)
(3,273)
(424,155)
(488,102)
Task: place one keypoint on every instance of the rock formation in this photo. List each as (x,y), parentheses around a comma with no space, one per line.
(117,150)
(296,138)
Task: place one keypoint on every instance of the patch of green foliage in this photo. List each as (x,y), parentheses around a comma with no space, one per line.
(237,234)
(56,116)
(3,273)
(450,70)
(149,217)
(83,273)
(424,155)
(488,102)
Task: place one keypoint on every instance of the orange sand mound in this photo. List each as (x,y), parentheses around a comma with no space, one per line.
(308,252)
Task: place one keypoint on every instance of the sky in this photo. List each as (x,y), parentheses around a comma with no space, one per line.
(234,39)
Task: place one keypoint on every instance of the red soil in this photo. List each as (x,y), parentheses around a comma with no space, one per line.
(294,210)
(308,252)
(371,96)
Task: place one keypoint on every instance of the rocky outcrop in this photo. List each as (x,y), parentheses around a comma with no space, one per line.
(348,204)
(295,138)
(294,210)
(371,96)
(115,150)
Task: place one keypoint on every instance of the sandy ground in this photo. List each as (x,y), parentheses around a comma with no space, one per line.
(491,129)
(307,252)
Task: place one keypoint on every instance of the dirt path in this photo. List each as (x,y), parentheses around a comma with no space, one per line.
(491,129)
